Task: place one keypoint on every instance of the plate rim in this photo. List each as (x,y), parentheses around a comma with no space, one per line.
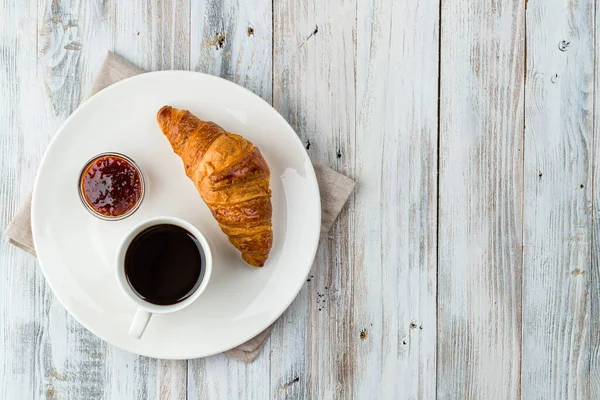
(148,75)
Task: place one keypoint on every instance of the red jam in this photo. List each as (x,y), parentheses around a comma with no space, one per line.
(111,185)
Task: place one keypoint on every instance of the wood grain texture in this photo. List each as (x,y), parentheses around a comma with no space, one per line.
(594,321)
(396,205)
(171,379)
(557,204)
(314,89)
(154,35)
(232,39)
(73,39)
(517,266)
(18,155)
(480,203)
(71,362)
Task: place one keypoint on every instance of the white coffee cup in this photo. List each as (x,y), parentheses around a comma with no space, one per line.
(146,309)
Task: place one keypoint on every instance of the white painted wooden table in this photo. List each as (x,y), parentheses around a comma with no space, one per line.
(465,266)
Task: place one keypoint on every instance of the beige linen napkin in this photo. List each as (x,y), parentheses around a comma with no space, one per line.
(335,189)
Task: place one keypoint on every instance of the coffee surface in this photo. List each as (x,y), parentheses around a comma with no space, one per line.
(164,264)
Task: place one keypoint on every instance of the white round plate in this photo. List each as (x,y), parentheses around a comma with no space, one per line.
(77,250)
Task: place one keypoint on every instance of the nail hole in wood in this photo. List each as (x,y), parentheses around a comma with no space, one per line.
(287,385)
(563,45)
(364,335)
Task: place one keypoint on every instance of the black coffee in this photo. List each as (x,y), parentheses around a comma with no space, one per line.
(164,264)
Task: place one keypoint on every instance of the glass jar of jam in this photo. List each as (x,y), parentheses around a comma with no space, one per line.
(111,186)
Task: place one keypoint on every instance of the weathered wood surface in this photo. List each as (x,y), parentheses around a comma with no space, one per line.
(481,282)
(232,39)
(559,100)
(395,211)
(594,272)
(19,325)
(480,199)
(314,48)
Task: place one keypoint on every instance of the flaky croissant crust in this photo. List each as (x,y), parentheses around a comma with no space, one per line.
(231,176)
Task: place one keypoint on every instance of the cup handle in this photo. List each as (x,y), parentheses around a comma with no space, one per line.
(139,323)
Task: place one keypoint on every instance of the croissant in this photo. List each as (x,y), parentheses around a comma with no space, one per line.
(231,176)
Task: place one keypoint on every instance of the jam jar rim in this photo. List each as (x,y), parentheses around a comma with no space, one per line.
(89,208)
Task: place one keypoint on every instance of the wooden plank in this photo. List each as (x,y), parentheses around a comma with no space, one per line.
(19,149)
(557,203)
(594,272)
(594,343)
(394,273)
(480,203)
(232,39)
(314,87)
(74,38)
(154,35)
(71,362)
